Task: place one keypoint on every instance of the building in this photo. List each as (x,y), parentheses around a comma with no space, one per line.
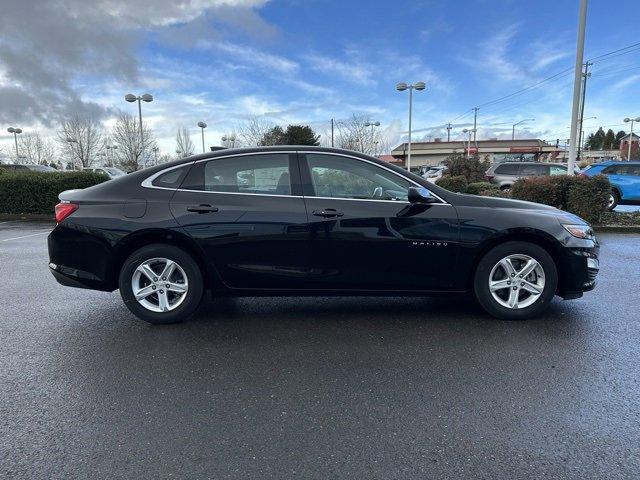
(433,153)
(624,146)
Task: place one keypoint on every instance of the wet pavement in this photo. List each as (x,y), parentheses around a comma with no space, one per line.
(316,387)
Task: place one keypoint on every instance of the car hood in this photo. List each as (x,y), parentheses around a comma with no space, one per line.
(495,202)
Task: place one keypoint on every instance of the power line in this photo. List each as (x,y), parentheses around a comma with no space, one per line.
(612,52)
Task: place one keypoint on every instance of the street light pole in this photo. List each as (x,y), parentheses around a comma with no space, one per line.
(470,131)
(15,132)
(402,87)
(202,126)
(577,83)
(142,98)
(372,125)
(513,127)
(632,120)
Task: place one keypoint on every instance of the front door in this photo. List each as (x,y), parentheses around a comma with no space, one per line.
(365,235)
(248,215)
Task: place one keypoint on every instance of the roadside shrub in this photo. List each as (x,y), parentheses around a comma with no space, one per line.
(495,192)
(37,192)
(476,187)
(586,197)
(472,169)
(453,183)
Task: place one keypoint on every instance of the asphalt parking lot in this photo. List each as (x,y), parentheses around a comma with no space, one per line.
(318,387)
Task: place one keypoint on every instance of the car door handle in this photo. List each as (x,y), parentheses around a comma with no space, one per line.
(328,213)
(202,208)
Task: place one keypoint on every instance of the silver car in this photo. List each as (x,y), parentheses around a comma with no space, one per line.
(505,174)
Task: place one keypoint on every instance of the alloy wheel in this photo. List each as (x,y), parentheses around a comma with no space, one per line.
(517,281)
(612,200)
(159,284)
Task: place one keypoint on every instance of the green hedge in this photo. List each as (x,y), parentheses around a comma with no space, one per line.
(586,197)
(476,188)
(453,183)
(37,192)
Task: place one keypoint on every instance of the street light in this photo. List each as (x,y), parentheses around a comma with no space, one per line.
(15,132)
(470,131)
(70,140)
(231,139)
(626,120)
(129,97)
(372,125)
(401,87)
(202,126)
(156,149)
(109,154)
(513,129)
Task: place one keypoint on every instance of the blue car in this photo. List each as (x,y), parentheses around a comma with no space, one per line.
(624,178)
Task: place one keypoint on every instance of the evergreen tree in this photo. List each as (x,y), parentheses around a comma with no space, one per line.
(609,140)
(619,135)
(301,135)
(274,136)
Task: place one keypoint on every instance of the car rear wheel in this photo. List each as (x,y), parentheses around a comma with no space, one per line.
(614,199)
(161,284)
(516,280)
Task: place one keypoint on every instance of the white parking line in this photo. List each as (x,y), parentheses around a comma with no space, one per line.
(25,236)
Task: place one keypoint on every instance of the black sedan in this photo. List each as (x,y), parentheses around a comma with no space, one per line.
(311,221)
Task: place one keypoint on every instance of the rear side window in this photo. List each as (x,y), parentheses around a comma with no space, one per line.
(172,178)
(531,170)
(507,169)
(264,174)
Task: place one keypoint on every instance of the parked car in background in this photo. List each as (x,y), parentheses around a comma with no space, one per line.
(505,174)
(624,178)
(291,221)
(111,172)
(25,168)
(432,173)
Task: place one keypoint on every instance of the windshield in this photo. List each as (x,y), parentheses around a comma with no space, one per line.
(114,172)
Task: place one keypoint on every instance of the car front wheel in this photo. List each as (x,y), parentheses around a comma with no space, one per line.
(161,284)
(613,200)
(516,280)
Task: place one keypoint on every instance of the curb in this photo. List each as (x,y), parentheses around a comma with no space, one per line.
(33,217)
(617,228)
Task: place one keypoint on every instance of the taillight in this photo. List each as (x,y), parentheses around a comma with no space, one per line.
(488,177)
(63,210)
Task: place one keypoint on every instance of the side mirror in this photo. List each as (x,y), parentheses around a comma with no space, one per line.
(420,195)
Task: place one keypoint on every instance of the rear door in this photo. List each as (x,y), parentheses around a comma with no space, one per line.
(626,178)
(248,215)
(363,233)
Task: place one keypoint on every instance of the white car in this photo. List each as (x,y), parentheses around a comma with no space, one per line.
(111,172)
(434,173)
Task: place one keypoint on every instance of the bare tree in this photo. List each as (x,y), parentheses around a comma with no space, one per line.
(37,149)
(354,134)
(184,145)
(133,149)
(252,132)
(80,139)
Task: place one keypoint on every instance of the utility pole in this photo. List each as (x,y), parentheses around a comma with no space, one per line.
(577,81)
(585,75)
(448,132)
(332,133)
(475,124)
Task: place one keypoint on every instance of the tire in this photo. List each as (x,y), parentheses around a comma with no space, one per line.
(505,188)
(614,199)
(509,286)
(177,302)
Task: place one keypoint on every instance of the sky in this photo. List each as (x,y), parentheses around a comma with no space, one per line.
(307,61)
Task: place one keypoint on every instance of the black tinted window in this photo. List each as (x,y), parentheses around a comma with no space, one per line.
(343,177)
(172,178)
(507,169)
(266,174)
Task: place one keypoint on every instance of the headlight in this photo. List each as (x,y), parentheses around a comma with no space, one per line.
(580,231)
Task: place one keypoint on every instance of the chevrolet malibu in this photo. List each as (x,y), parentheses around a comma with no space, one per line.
(285,221)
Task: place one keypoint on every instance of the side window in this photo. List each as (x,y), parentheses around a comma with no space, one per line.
(557,170)
(529,170)
(266,174)
(507,169)
(634,170)
(172,178)
(343,177)
(611,170)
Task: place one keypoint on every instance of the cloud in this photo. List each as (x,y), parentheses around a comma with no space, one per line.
(352,71)
(47,47)
(253,56)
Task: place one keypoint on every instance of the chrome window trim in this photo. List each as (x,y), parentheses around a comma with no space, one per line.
(375,165)
(148,182)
